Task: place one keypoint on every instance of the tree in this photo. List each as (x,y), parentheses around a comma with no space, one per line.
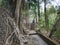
(45,13)
(38,9)
(46,16)
(39,13)
(17,11)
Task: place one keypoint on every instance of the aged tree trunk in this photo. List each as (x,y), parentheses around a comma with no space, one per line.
(46,16)
(18,15)
(11,6)
(17,11)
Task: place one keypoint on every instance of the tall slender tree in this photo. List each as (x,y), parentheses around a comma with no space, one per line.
(39,12)
(38,9)
(46,16)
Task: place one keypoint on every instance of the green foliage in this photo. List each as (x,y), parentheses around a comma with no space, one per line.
(3,3)
(51,10)
(52,19)
(58,10)
(57,33)
(42,20)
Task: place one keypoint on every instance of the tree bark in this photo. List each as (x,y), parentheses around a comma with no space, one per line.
(46,16)
(18,15)
(17,11)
